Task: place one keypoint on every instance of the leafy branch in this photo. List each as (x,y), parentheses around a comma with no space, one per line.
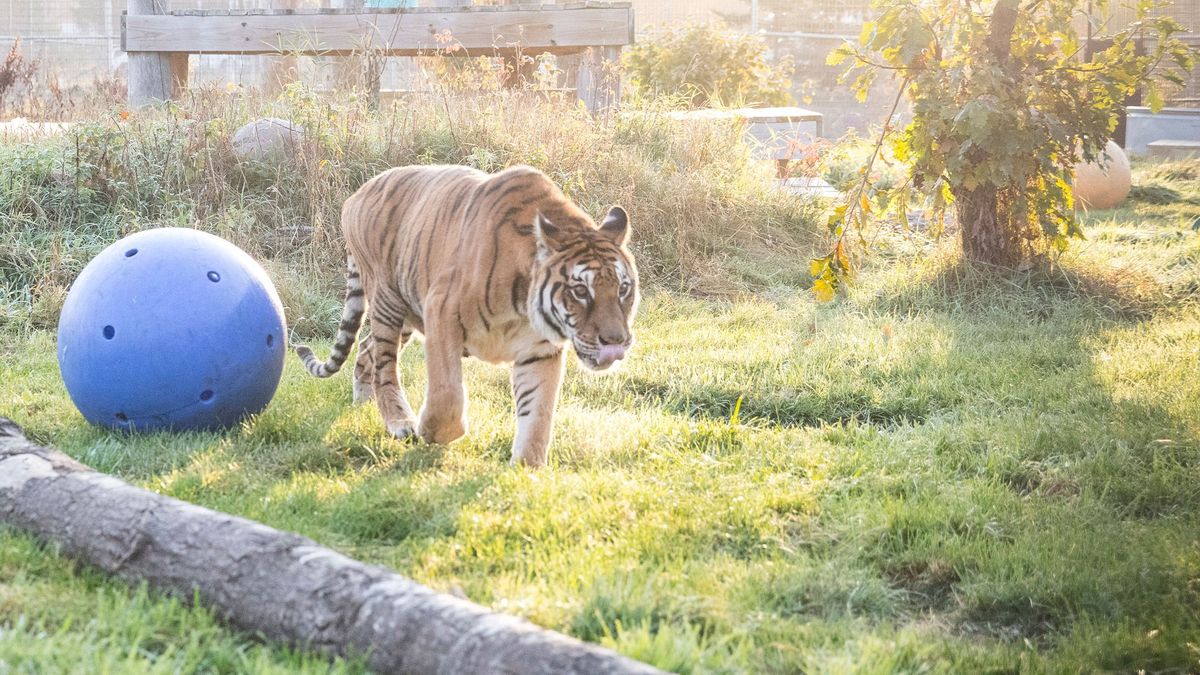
(831,270)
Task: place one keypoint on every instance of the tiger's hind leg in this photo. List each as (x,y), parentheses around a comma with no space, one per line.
(387,341)
(364,371)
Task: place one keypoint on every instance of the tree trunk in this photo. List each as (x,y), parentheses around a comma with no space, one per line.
(281,585)
(1004,21)
(984,225)
(984,228)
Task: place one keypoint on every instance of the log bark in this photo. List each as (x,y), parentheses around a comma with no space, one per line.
(280,585)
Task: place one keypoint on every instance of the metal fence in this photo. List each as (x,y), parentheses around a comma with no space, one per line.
(78,37)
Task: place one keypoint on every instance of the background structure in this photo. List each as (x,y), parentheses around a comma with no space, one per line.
(80,41)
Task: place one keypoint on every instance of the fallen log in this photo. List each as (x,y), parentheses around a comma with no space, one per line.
(280,585)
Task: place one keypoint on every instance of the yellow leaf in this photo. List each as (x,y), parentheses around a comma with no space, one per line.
(823,289)
(837,56)
(864,36)
(816,268)
(842,259)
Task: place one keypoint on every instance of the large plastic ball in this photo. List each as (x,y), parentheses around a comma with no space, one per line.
(171,329)
(1105,183)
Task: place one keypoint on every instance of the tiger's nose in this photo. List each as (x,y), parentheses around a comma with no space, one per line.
(613,338)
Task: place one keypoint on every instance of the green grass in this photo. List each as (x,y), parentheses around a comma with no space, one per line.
(905,487)
(949,470)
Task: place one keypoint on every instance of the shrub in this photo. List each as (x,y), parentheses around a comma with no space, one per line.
(708,64)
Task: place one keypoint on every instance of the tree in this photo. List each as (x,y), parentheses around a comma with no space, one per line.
(1003,107)
(708,64)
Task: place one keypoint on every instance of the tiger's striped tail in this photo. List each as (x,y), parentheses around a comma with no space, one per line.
(352,315)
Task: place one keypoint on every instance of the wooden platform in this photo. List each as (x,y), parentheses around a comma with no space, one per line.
(558,29)
(159,43)
(778,133)
(1174,149)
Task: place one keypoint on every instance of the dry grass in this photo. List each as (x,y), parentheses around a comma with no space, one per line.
(705,217)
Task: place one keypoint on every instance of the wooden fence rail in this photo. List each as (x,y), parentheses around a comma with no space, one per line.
(159,42)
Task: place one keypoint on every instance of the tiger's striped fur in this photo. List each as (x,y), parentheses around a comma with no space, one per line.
(502,267)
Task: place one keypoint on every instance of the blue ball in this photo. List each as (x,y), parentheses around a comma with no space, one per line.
(171,329)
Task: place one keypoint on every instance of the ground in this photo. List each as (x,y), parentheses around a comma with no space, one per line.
(947,470)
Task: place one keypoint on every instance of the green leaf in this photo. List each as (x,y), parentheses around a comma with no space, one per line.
(1154,98)
(835,220)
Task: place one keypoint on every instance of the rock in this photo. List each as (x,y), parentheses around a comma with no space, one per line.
(268,139)
(21,129)
(1105,183)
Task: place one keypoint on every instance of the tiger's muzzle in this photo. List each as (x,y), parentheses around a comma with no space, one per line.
(602,357)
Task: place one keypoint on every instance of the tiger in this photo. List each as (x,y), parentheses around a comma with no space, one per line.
(501,267)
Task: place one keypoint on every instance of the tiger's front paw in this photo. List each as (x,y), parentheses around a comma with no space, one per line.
(531,457)
(400,429)
(434,429)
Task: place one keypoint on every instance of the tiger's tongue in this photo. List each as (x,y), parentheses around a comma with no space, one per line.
(610,353)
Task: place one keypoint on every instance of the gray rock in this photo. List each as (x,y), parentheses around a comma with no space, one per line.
(268,139)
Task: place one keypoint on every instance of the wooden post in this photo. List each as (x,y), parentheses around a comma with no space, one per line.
(154,77)
(108,28)
(363,69)
(517,71)
(283,69)
(599,85)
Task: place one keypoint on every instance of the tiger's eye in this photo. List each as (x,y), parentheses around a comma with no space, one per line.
(580,292)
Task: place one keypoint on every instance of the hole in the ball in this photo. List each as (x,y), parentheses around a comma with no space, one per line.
(206,395)
(109,332)
(130,253)
(270,340)
(214,277)
(122,417)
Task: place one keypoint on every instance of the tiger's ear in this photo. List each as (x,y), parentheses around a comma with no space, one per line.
(548,234)
(616,226)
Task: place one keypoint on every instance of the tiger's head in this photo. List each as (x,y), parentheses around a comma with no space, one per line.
(584,287)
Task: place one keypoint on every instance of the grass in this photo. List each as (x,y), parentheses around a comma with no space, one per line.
(949,470)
